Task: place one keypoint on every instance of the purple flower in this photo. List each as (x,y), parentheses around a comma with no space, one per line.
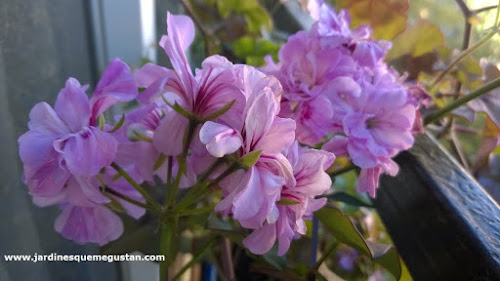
(64,150)
(337,87)
(209,90)
(287,221)
(251,195)
(64,141)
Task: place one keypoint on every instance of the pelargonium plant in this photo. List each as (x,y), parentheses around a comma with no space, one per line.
(257,142)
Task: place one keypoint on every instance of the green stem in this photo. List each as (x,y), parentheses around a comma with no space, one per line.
(329,250)
(139,188)
(199,189)
(168,229)
(131,201)
(181,160)
(340,171)
(463,55)
(168,185)
(195,259)
(461,101)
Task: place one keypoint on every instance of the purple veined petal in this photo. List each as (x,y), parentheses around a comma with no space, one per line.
(169,135)
(180,35)
(92,192)
(337,145)
(259,118)
(280,164)
(149,73)
(44,120)
(117,84)
(219,139)
(310,172)
(72,105)
(88,224)
(87,151)
(280,136)
(260,241)
(47,179)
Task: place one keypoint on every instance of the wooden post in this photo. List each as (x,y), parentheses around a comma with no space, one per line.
(444,225)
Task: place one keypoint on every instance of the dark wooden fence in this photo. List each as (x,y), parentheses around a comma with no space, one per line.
(444,225)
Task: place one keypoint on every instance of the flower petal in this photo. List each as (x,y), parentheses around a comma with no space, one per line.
(88,224)
(219,139)
(117,84)
(44,120)
(260,241)
(180,34)
(169,135)
(72,105)
(87,151)
(280,136)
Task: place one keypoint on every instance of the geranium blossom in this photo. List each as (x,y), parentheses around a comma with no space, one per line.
(65,149)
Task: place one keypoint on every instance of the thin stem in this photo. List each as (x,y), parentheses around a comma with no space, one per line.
(169,178)
(204,32)
(314,247)
(340,171)
(131,201)
(329,250)
(168,229)
(463,55)
(462,100)
(497,17)
(195,259)
(181,160)
(139,188)
(484,9)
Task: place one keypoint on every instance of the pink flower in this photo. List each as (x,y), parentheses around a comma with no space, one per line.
(64,141)
(209,90)
(251,195)
(287,223)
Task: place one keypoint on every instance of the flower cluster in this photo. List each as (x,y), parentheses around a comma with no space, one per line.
(197,129)
(340,93)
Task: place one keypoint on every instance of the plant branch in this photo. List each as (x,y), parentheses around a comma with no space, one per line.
(204,32)
(131,201)
(139,188)
(463,55)
(462,100)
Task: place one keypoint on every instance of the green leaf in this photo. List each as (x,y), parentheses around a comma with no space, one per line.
(244,46)
(102,122)
(417,40)
(344,230)
(118,125)
(225,7)
(387,18)
(161,159)
(287,201)
(249,159)
(345,197)
(257,19)
(219,112)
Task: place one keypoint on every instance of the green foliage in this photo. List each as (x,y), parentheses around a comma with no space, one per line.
(255,15)
(386,17)
(417,40)
(253,50)
(344,230)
